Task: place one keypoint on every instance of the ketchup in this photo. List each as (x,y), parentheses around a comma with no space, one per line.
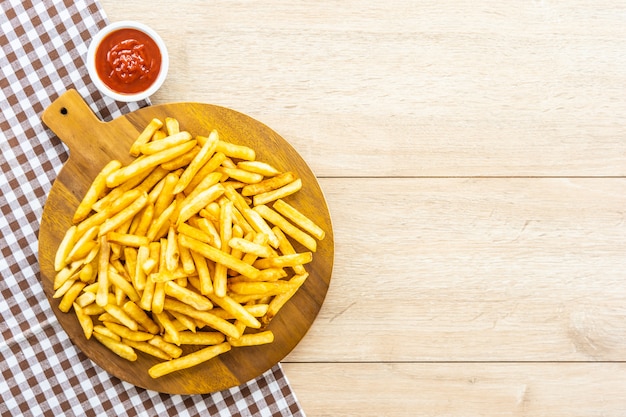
(128,61)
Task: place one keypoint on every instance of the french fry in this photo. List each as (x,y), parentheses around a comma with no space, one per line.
(258,167)
(187,296)
(125,333)
(83,246)
(169,348)
(247,246)
(241,175)
(283,224)
(188,361)
(269,184)
(147,348)
(237,310)
(145,135)
(70,295)
(164,144)
(139,315)
(198,338)
(86,323)
(281,299)
(206,152)
(63,251)
(204,275)
(252,339)
(140,166)
(96,190)
(219,257)
(284,260)
(200,201)
(206,317)
(281,192)
(300,219)
(236,151)
(116,347)
(120,315)
(102,297)
(126,214)
(126,239)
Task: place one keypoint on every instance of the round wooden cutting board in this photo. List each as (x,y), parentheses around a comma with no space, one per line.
(92,143)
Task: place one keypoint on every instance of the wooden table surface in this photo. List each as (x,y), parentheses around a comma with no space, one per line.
(473,155)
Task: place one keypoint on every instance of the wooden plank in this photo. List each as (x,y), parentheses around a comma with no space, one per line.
(473,270)
(459,389)
(401,88)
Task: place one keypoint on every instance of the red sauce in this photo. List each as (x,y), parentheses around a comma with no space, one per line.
(128,61)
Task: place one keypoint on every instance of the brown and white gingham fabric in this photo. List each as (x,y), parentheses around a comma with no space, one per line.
(42,373)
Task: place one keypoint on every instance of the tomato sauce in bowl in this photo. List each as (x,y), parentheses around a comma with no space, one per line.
(127,61)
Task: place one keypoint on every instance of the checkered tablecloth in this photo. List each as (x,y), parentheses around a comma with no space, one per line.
(42,373)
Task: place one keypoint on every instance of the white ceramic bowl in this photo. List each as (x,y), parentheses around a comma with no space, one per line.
(91,61)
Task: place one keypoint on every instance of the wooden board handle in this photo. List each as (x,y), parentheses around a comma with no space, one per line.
(71,119)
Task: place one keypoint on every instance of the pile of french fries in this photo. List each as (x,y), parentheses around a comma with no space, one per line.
(192,243)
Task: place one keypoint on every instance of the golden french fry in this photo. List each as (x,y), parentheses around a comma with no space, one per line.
(172,254)
(102,298)
(219,257)
(199,202)
(166,194)
(119,314)
(95,191)
(236,151)
(83,246)
(269,184)
(252,339)
(171,349)
(281,192)
(181,161)
(139,166)
(125,333)
(237,310)
(286,248)
(206,317)
(284,260)
(194,232)
(208,168)
(247,246)
(256,310)
(161,222)
(197,301)
(123,216)
(206,152)
(139,315)
(198,338)
(300,219)
(66,274)
(170,330)
(161,145)
(126,287)
(281,299)
(258,167)
(147,348)
(70,295)
(241,175)
(204,275)
(283,224)
(145,135)
(116,347)
(86,323)
(188,361)
(259,287)
(63,251)
(126,239)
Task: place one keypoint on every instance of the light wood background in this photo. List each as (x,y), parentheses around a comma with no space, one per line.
(473,155)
